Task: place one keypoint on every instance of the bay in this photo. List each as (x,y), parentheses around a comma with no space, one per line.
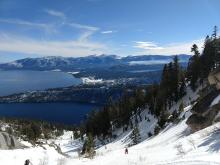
(17,81)
(66,113)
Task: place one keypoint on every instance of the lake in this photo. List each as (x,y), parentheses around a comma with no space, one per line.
(67,113)
(20,81)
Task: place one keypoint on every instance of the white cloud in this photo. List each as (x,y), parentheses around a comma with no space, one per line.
(16,44)
(87,30)
(84,27)
(55,13)
(147,45)
(72,24)
(82,46)
(47,27)
(167,49)
(108,32)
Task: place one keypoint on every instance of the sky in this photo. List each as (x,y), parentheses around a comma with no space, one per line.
(75,28)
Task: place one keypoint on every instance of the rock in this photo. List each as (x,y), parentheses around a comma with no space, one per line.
(203,103)
(203,117)
(196,122)
(202,114)
(8,141)
(214,78)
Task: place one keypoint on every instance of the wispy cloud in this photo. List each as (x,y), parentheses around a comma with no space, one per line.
(147,45)
(85,27)
(17,44)
(86,30)
(55,13)
(47,27)
(108,32)
(167,49)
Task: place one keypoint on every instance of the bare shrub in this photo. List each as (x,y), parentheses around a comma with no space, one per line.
(180,150)
(192,143)
(61,161)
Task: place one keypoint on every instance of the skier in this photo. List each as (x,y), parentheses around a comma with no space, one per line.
(27,162)
(126,151)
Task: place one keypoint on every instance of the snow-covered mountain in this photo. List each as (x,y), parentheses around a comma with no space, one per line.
(71,64)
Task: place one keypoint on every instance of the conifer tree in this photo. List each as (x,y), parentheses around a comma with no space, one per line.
(135,135)
(181,107)
(89,146)
(194,67)
(214,34)
(176,77)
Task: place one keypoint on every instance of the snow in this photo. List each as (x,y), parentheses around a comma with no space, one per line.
(73,73)
(175,145)
(215,101)
(149,62)
(16,64)
(91,80)
(37,156)
(56,70)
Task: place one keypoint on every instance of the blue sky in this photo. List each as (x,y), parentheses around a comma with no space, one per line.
(32,28)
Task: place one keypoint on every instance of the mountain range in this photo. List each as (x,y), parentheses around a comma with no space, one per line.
(93,61)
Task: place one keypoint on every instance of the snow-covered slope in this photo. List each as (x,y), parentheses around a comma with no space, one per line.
(174,145)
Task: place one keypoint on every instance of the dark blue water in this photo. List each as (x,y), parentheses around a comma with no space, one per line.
(20,81)
(67,113)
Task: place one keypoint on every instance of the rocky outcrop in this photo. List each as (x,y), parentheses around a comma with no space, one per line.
(214,78)
(203,103)
(8,142)
(199,121)
(203,114)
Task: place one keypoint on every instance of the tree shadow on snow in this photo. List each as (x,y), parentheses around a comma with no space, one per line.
(212,141)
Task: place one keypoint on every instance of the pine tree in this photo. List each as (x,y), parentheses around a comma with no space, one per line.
(135,136)
(176,77)
(181,107)
(207,58)
(216,45)
(214,34)
(89,146)
(194,68)
(182,88)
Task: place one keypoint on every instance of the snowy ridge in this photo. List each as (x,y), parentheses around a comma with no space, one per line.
(92,61)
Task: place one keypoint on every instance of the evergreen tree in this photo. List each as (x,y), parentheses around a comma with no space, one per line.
(135,136)
(176,77)
(182,88)
(193,69)
(88,147)
(181,107)
(207,58)
(214,34)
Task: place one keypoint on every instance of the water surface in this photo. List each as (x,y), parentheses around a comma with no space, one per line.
(20,81)
(67,113)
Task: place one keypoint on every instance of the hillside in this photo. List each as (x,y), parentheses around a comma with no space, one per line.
(173,145)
